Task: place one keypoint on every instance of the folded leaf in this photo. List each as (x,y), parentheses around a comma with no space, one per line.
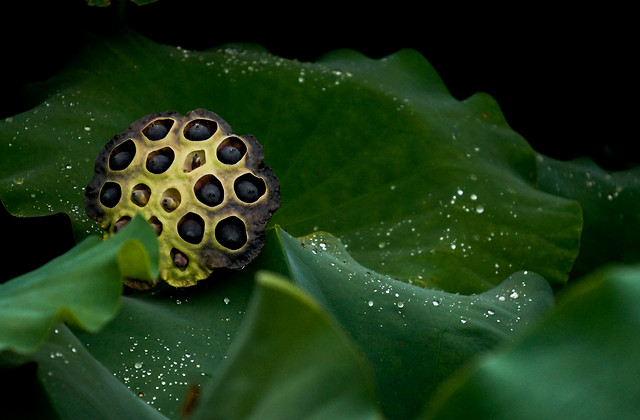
(81,287)
(579,363)
(290,361)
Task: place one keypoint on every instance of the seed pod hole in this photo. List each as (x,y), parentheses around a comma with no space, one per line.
(231,233)
(122,222)
(160,160)
(121,157)
(191,228)
(156,224)
(200,129)
(110,194)
(179,259)
(209,190)
(170,200)
(193,161)
(249,188)
(158,129)
(231,150)
(140,195)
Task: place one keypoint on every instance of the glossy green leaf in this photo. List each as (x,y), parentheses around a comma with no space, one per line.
(290,361)
(414,337)
(162,344)
(78,386)
(610,202)
(81,287)
(419,185)
(580,362)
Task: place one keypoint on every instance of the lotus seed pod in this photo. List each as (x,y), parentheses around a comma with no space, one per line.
(206,192)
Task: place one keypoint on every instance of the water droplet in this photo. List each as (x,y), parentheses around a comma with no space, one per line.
(137,365)
(514,295)
(370,303)
(381,245)
(436,303)
(479,209)
(18,181)
(226,300)
(400,304)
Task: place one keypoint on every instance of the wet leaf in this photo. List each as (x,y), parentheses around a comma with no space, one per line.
(419,185)
(414,337)
(81,287)
(290,361)
(610,203)
(579,362)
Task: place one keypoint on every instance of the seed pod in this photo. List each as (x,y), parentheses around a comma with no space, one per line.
(214,193)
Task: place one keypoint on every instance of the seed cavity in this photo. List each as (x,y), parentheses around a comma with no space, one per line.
(122,222)
(200,129)
(193,161)
(160,160)
(110,194)
(156,224)
(158,129)
(231,233)
(170,200)
(249,188)
(191,228)
(179,259)
(209,190)
(122,156)
(231,150)
(140,195)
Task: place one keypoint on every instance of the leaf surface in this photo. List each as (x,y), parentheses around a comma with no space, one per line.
(82,287)
(578,363)
(419,185)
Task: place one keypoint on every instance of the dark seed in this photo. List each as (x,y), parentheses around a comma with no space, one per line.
(120,161)
(158,164)
(229,155)
(210,195)
(231,234)
(156,225)
(110,195)
(191,230)
(180,260)
(157,132)
(121,223)
(198,132)
(247,191)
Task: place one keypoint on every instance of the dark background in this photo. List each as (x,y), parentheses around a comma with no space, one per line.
(565,79)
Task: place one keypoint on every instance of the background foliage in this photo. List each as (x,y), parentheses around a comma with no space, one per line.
(432,296)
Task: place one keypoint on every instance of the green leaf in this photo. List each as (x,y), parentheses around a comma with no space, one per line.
(290,361)
(580,362)
(415,338)
(419,185)
(79,387)
(81,287)
(610,203)
(163,343)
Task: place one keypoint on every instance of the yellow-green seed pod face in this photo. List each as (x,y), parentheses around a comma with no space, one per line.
(205,190)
